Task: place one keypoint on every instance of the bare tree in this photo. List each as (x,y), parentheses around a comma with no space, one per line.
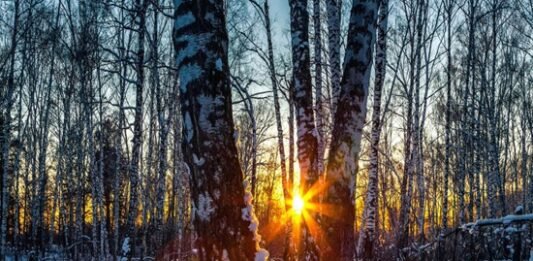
(349,120)
(223,213)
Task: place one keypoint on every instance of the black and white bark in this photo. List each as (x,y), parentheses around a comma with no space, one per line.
(447,127)
(333,9)
(140,7)
(319,107)
(347,130)
(223,217)
(368,235)
(305,120)
(5,109)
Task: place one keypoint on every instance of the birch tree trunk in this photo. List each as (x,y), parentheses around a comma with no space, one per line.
(226,227)
(140,17)
(319,108)
(333,9)
(122,67)
(287,186)
(305,120)
(347,130)
(367,236)
(447,128)
(5,119)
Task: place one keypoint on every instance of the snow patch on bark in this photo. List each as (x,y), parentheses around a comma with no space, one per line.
(126,246)
(248,215)
(225,255)
(218,64)
(184,20)
(189,131)
(189,73)
(205,207)
(198,161)
(261,255)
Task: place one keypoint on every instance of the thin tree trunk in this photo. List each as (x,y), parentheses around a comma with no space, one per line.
(368,236)
(6,106)
(140,9)
(318,108)
(333,9)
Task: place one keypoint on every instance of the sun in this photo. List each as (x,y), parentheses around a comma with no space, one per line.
(298,204)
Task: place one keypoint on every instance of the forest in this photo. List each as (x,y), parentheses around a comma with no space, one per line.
(266,130)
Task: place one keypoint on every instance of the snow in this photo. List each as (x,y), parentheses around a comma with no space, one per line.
(495,221)
(126,246)
(206,110)
(189,73)
(218,64)
(198,161)
(514,218)
(194,44)
(205,207)
(189,132)
(184,20)
(248,215)
(261,255)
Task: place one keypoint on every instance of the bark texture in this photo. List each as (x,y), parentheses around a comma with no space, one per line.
(347,130)
(222,211)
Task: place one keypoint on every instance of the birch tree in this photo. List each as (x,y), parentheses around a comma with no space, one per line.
(305,119)
(367,237)
(140,19)
(348,124)
(222,209)
(333,9)
(6,106)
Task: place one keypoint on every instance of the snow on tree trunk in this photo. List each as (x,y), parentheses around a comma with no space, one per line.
(333,9)
(222,210)
(303,102)
(367,237)
(306,136)
(347,130)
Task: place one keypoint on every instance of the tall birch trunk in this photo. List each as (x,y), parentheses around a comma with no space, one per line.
(6,106)
(347,130)
(333,9)
(305,120)
(223,217)
(368,235)
(140,17)
(319,108)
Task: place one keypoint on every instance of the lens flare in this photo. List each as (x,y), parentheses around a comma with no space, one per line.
(298,204)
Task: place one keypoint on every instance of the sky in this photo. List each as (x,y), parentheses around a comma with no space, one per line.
(279,13)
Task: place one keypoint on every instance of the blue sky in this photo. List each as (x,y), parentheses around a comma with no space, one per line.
(279,13)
